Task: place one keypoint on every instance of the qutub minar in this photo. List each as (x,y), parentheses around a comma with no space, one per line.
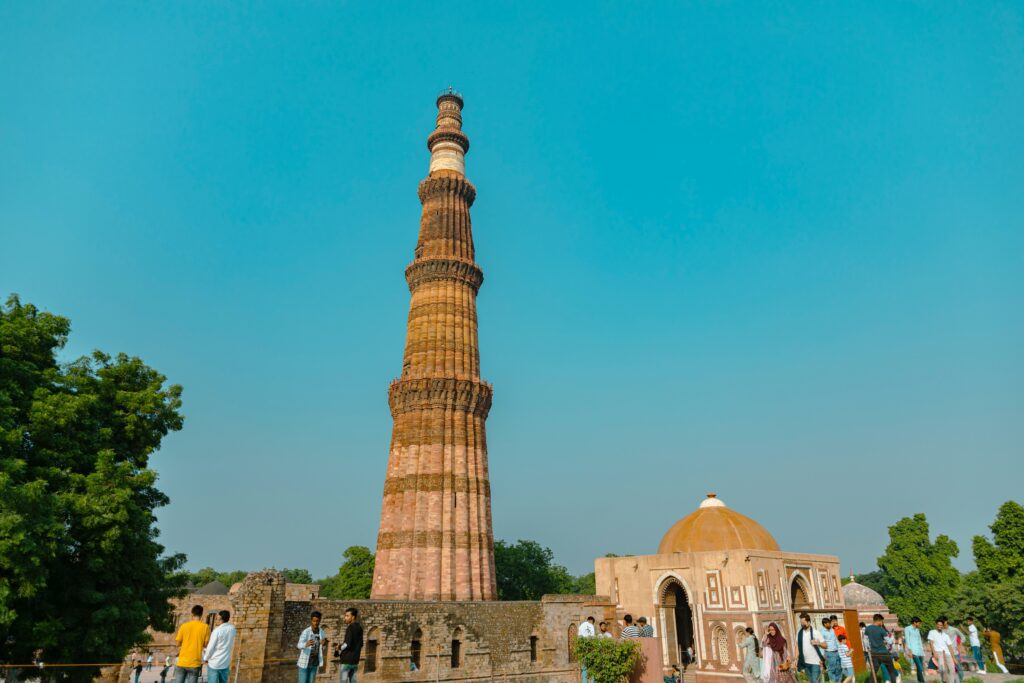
(433,613)
(435,540)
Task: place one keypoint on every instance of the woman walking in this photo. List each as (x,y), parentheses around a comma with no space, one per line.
(776,667)
(752,657)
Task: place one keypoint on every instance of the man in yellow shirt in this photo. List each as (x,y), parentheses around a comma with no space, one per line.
(192,637)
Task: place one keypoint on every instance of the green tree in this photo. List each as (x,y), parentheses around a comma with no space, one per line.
(1003,557)
(525,571)
(297,575)
(994,593)
(585,585)
(874,580)
(81,572)
(354,578)
(918,575)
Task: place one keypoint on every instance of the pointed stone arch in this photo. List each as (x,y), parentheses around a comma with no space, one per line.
(675,614)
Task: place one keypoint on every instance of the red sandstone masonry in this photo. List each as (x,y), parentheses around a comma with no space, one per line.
(435,540)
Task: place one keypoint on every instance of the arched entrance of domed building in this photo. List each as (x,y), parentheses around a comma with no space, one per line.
(676,616)
(799,600)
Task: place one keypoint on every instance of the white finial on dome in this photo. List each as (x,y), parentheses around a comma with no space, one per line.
(712,501)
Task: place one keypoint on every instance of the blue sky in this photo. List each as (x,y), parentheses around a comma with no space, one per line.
(770,250)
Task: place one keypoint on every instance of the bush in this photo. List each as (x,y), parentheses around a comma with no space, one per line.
(608,660)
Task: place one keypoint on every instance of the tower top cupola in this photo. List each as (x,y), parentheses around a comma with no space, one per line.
(448,144)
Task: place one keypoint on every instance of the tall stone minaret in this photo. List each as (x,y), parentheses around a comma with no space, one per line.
(435,540)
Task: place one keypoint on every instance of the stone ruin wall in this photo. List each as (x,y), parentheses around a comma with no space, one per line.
(494,637)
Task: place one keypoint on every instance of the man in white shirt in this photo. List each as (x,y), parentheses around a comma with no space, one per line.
(942,652)
(972,636)
(586,630)
(605,633)
(217,654)
(809,644)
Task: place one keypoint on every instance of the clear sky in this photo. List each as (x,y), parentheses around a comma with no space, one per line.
(770,250)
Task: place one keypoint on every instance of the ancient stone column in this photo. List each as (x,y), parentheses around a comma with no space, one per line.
(435,540)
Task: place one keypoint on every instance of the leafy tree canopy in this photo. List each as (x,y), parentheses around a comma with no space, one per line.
(1003,558)
(81,572)
(995,592)
(918,575)
(354,578)
(526,570)
(297,575)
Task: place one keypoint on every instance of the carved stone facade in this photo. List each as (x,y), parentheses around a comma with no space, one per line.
(716,573)
(435,540)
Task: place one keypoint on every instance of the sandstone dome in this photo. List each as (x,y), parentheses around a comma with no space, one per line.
(858,595)
(713,526)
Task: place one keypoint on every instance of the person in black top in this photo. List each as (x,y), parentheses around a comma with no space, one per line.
(351,646)
(878,651)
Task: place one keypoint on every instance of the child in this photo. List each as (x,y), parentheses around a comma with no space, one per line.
(845,661)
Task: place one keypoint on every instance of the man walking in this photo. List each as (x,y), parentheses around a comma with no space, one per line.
(351,646)
(149,661)
(832,663)
(878,651)
(942,652)
(192,637)
(217,654)
(630,631)
(972,637)
(311,649)
(809,642)
(914,644)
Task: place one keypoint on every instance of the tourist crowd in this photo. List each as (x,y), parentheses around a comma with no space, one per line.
(827,652)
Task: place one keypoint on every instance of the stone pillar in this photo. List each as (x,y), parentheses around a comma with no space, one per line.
(435,540)
(259,617)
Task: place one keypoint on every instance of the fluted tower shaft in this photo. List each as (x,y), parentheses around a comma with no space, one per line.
(435,540)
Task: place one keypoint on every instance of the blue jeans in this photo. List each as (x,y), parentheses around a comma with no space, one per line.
(813,672)
(586,678)
(976,651)
(348,673)
(835,667)
(217,675)
(307,674)
(919,667)
(182,674)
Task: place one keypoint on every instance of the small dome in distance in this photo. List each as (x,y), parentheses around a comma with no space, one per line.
(858,595)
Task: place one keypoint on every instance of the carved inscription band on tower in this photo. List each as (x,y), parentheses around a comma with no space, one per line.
(435,540)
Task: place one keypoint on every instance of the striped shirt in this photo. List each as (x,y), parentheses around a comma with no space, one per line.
(844,656)
(630,631)
(647,631)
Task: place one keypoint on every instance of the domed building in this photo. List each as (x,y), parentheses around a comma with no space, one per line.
(868,602)
(717,572)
